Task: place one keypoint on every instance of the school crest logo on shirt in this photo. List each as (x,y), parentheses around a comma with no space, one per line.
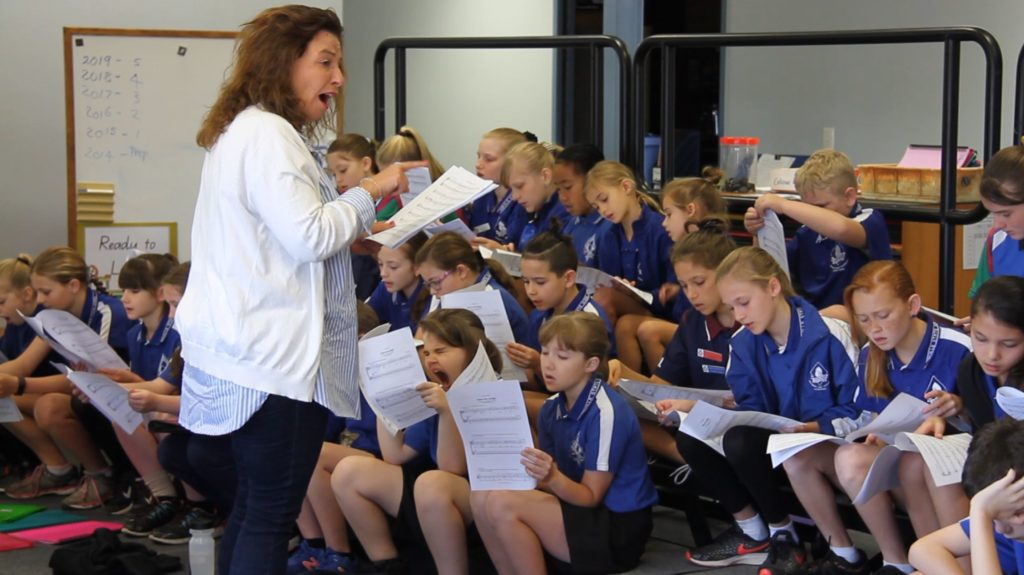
(590,249)
(837,258)
(639,272)
(935,384)
(164,362)
(500,231)
(577,450)
(818,377)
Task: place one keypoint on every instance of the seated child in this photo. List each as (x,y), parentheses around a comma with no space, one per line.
(592,507)
(838,236)
(993,534)
(400,286)
(494,216)
(583,224)
(1002,194)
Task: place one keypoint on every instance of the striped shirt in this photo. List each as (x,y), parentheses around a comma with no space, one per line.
(214,406)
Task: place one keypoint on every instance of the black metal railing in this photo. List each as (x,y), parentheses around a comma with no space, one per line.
(594,42)
(947,214)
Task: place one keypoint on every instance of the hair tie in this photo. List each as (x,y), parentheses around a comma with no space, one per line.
(530,136)
(24,260)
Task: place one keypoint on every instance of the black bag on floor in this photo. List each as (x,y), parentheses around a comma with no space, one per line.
(104,554)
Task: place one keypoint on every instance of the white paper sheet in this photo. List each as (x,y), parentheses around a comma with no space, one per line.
(944,457)
(389,371)
(488,306)
(944,317)
(628,288)
(479,369)
(772,239)
(492,420)
(883,474)
(1011,401)
(454,189)
(902,414)
(419,180)
(654,392)
(379,330)
(593,278)
(707,421)
(974,239)
(457,226)
(9,412)
(512,262)
(642,408)
(782,446)
(109,397)
(74,340)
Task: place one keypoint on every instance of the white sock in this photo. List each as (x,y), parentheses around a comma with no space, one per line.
(905,567)
(848,553)
(787,527)
(753,527)
(60,469)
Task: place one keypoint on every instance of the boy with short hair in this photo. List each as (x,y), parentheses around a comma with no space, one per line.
(838,236)
(993,535)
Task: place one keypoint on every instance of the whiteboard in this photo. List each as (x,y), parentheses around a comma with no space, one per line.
(135,100)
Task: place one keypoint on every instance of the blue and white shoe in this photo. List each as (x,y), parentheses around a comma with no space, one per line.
(304,555)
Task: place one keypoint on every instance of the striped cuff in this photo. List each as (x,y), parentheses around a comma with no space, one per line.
(362,202)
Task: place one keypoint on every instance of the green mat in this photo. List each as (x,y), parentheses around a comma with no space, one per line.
(41,519)
(14,511)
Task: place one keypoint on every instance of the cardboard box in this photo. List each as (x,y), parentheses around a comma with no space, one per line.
(890,182)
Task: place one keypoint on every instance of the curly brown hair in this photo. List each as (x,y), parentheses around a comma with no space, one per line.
(265,51)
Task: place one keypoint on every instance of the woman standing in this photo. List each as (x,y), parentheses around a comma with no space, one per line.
(269,325)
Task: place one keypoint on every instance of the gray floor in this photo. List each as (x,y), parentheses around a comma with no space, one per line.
(664,552)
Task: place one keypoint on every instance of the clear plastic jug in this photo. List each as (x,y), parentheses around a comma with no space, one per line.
(737,156)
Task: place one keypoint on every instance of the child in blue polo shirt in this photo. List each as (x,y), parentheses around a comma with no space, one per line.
(496,216)
(448,263)
(371,490)
(63,281)
(592,508)
(1002,194)
(838,236)
(529,176)
(584,224)
(18,299)
(993,533)
(400,286)
(786,360)
(904,353)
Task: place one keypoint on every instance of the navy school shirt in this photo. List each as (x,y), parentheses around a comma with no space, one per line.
(582,302)
(540,221)
(644,259)
(148,359)
(516,316)
(16,340)
(499,221)
(393,308)
(1009,551)
(599,433)
(171,375)
(698,352)
(422,438)
(105,315)
(811,379)
(586,232)
(824,267)
(933,368)
(364,427)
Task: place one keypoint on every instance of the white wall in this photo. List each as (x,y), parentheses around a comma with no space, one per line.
(453,96)
(33,182)
(878,98)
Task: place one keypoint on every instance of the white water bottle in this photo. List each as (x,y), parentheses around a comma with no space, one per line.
(201,549)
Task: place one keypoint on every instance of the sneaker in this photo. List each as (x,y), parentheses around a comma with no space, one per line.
(160,513)
(335,562)
(129,494)
(833,564)
(42,482)
(11,474)
(730,548)
(92,492)
(302,555)
(785,556)
(179,530)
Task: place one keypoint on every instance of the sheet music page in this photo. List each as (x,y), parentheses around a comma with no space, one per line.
(706,421)
(379,330)
(655,392)
(419,180)
(593,278)
(492,420)
(632,290)
(488,306)
(782,446)
(642,408)
(772,239)
(56,346)
(109,397)
(454,189)
(9,412)
(944,457)
(902,414)
(389,371)
(76,338)
(1011,400)
(883,474)
(458,226)
(479,369)
(512,262)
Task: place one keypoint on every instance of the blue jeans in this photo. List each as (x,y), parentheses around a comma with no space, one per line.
(275,453)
